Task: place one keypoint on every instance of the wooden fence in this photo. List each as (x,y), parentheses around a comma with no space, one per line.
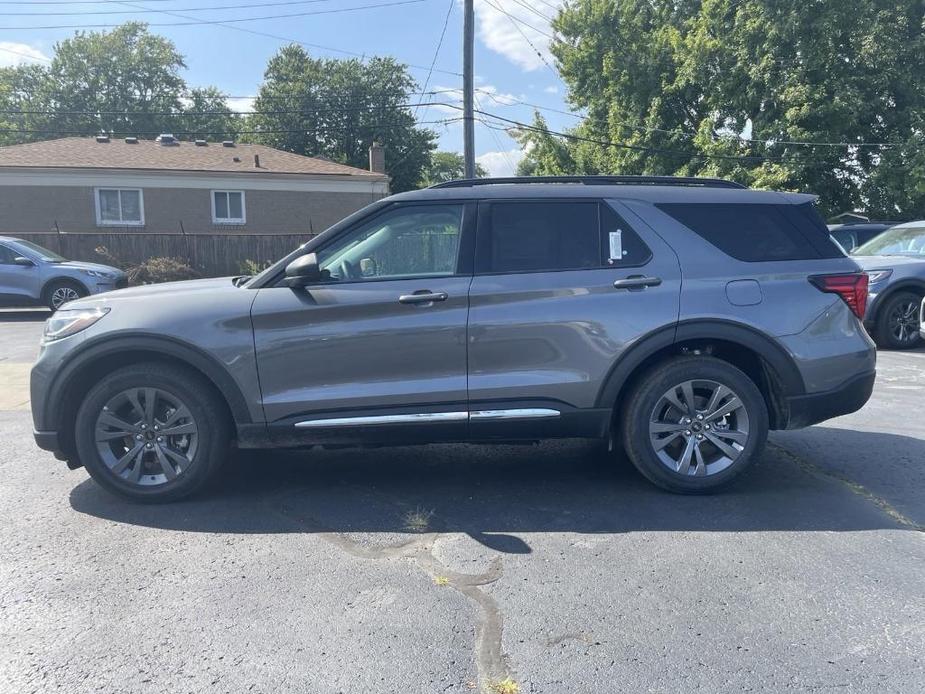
(211,255)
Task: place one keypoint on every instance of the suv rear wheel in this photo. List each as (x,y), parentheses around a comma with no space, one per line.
(152,432)
(59,292)
(898,322)
(693,424)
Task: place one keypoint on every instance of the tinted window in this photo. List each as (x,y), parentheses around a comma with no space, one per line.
(750,232)
(538,236)
(6,256)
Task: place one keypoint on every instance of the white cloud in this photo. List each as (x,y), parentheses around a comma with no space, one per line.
(551,90)
(501,163)
(12,53)
(512,35)
(245,103)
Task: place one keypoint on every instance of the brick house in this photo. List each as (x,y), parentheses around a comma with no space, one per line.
(132,186)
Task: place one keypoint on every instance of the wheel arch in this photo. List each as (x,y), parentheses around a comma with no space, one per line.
(762,358)
(104,355)
(911,284)
(62,278)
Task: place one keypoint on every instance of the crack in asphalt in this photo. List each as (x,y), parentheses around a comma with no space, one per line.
(491,662)
(857,488)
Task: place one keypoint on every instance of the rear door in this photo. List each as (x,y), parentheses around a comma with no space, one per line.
(17,282)
(561,289)
(378,349)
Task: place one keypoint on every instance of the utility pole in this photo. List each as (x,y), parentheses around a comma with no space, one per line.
(468,121)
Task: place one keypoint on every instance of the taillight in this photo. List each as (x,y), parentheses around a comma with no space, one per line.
(852,288)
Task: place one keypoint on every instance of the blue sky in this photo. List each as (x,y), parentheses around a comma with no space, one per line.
(509,36)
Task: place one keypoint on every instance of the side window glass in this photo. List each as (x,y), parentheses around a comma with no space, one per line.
(6,256)
(621,246)
(413,241)
(536,236)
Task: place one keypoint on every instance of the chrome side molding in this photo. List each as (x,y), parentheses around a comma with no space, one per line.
(427,417)
(417,417)
(525,413)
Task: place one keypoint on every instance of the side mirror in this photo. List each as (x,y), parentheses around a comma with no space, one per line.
(21,260)
(303,270)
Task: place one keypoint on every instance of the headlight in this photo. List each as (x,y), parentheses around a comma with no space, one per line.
(66,322)
(96,273)
(878,275)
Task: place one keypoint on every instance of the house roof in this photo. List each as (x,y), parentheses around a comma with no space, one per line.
(87,153)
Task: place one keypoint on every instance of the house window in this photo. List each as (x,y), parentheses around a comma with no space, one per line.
(119,207)
(227,207)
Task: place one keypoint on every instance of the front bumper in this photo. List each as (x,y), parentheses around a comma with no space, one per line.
(851,396)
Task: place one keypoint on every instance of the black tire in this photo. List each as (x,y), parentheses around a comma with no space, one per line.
(51,294)
(648,394)
(896,327)
(172,384)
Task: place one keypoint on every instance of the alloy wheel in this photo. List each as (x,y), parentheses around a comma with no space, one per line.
(699,428)
(903,322)
(62,295)
(146,436)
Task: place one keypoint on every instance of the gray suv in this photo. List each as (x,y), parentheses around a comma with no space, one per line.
(34,276)
(678,318)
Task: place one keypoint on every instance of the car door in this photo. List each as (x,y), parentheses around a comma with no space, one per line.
(17,282)
(377,350)
(561,289)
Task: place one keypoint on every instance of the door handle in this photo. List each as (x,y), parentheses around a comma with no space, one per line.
(423,297)
(637,282)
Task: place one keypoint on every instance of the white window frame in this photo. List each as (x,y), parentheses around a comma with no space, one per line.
(109,223)
(229,220)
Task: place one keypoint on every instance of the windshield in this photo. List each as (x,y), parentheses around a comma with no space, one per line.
(42,253)
(896,241)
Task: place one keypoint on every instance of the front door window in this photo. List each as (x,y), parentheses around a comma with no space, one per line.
(405,242)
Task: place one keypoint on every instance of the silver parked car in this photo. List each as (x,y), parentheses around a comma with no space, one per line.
(34,276)
(895,261)
(680,318)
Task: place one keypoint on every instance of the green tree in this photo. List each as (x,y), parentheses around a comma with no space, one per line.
(337,108)
(126,81)
(207,115)
(544,154)
(726,87)
(447,166)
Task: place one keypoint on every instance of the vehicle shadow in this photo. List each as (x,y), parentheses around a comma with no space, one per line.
(19,315)
(493,493)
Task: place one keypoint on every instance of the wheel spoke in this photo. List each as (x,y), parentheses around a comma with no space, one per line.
(701,466)
(739,437)
(180,413)
(731,406)
(179,429)
(126,459)
(123,428)
(150,399)
(132,396)
(666,427)
(687,390)
(168,469)
(136,470)
(672,397)
(716,398)
(176,456)
(659,444)
(684,464)
(727,450)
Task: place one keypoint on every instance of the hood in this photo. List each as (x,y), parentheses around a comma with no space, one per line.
(174,291)
(79,265)
(884,262)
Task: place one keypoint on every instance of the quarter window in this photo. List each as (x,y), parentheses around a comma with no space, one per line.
(228,207)
(546,236)
(119,207)
(405,242)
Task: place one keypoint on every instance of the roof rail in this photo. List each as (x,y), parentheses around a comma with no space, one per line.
(596,180)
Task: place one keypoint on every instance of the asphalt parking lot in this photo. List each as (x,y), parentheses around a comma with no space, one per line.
(463,568)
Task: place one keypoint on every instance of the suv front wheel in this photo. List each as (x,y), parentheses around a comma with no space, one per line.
(693,424)
(152,432)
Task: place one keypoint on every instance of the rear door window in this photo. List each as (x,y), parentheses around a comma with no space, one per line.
(548,236)
(756,233)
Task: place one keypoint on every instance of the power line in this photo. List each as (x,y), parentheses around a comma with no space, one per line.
(266,34)
(534,11)
(433,62)
(269,131)
(219,21)
(25,55)
(228,112)
(81,13)
(516,24)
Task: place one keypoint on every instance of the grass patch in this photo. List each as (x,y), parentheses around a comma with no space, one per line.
(505,686)
(418,520)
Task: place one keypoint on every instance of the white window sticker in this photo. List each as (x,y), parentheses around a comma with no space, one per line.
(616,245)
